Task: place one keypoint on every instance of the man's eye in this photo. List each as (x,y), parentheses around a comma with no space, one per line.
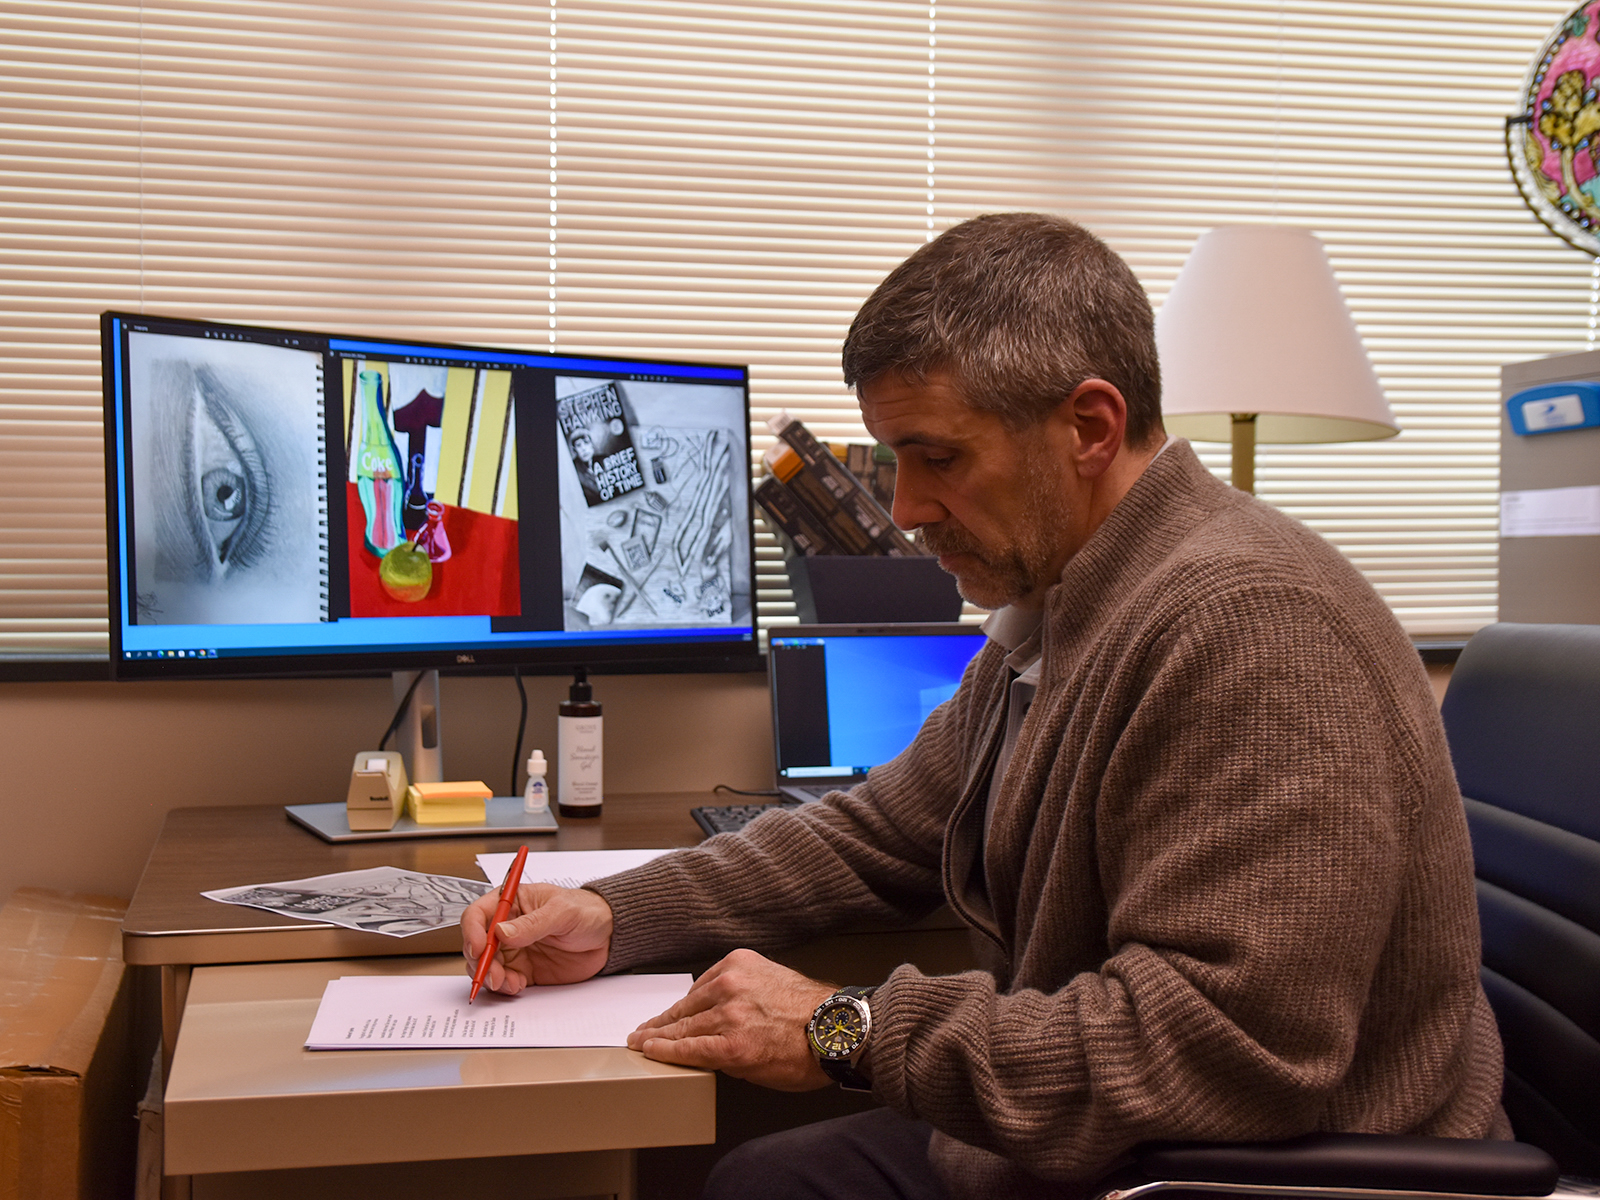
(939,462)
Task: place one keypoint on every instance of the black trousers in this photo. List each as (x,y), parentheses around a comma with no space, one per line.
(877,1155)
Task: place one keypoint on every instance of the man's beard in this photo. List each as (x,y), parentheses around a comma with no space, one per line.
(994,576)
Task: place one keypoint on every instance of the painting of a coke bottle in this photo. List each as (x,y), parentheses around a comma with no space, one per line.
(431,490)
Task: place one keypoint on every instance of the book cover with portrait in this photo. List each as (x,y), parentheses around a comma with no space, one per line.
(595,425)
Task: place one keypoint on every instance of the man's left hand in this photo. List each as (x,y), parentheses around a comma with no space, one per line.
(746,1016)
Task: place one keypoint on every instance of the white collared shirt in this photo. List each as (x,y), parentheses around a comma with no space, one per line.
(1014,628)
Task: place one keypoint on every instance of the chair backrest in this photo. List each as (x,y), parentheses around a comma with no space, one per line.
(1523,717)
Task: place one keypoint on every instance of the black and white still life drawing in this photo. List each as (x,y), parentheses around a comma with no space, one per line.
(648,501)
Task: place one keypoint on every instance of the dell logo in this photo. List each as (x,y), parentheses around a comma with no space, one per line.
(465,658)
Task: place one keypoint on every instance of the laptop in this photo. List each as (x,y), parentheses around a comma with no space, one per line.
(846,698)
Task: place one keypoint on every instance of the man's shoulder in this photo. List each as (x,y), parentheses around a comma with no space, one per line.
(1252,566)
(1193,553)
(1252,540)
(1214,537)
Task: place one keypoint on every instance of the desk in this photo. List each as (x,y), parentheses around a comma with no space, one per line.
(202,849)
(245,1095)
(171,926)
(250,1021)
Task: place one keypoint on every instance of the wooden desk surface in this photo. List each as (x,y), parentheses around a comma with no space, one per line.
(245,1094)
(202,849)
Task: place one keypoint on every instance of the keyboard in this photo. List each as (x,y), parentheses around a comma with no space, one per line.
(818,790)
(730,818)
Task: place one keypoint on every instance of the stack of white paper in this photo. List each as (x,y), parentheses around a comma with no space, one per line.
(566,868)
(411,1012)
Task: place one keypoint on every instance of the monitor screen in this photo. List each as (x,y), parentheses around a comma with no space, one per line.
(846,698)
(293,502)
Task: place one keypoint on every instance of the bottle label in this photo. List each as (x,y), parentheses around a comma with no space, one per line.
(536,798)
(578,779)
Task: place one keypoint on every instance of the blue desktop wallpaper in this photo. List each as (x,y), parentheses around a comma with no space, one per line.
(881,690)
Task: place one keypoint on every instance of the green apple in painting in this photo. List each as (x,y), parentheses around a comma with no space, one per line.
(406,573)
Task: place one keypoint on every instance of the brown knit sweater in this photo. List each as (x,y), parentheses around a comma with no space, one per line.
(1226,892)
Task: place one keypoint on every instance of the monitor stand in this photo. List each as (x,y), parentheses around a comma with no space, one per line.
(417,739)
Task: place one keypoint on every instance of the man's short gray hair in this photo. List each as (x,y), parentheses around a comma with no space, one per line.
(1017,309)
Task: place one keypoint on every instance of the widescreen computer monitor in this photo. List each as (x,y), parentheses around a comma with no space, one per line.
(296,502)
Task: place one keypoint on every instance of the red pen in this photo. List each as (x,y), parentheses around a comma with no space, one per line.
(508,891)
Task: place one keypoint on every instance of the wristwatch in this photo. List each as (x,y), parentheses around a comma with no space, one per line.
(838,1033)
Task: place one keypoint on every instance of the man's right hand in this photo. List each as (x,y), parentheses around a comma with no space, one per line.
(554,935)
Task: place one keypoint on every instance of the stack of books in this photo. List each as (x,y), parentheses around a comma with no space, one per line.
(819,505)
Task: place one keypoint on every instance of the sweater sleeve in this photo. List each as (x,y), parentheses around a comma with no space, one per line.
(869,856)
(1254,797)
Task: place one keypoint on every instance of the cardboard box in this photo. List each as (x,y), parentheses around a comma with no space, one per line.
(67,1124)
(1550,578)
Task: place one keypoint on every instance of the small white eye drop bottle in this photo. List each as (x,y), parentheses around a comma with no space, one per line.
(536,793)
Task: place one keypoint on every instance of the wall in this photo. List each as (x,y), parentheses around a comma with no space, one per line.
(90,769)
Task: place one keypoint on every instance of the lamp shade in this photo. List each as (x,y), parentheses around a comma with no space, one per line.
(1255,323)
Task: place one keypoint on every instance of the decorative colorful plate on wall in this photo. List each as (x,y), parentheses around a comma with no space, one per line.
(1554,141)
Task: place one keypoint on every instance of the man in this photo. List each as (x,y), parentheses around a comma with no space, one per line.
(1193,798)
(583,462)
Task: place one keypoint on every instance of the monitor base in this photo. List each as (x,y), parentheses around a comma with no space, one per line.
(329,822)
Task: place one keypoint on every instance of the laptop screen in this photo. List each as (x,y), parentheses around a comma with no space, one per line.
(849,697)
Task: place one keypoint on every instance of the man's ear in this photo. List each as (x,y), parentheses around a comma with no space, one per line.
(1098,418)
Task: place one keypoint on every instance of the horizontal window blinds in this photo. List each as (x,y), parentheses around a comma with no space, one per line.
(69,225)
(1379,126)
(728,181)
(731,181)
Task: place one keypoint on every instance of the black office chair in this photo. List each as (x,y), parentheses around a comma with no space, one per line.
(1523,716)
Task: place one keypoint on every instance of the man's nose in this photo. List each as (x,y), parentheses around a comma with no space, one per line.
(913,506)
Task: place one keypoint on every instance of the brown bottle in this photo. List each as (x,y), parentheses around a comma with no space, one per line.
(578,751)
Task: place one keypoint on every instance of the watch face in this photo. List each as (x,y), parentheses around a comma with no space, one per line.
(838,1029)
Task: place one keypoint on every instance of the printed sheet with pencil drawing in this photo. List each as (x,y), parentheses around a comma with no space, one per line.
(412,1012)
(386,900)
(400,903)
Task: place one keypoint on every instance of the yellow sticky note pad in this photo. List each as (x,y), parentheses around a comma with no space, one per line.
(449,803)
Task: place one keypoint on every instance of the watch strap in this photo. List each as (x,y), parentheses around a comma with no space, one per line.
(845,1075)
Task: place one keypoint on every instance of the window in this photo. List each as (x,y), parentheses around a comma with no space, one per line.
(728,181)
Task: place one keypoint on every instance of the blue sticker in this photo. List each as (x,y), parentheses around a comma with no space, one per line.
(1554,407)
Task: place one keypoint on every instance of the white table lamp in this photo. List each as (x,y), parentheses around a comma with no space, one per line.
(1257,345)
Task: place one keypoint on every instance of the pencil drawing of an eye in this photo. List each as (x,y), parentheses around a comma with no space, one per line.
(229,521)
(215,515)
(229,479)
